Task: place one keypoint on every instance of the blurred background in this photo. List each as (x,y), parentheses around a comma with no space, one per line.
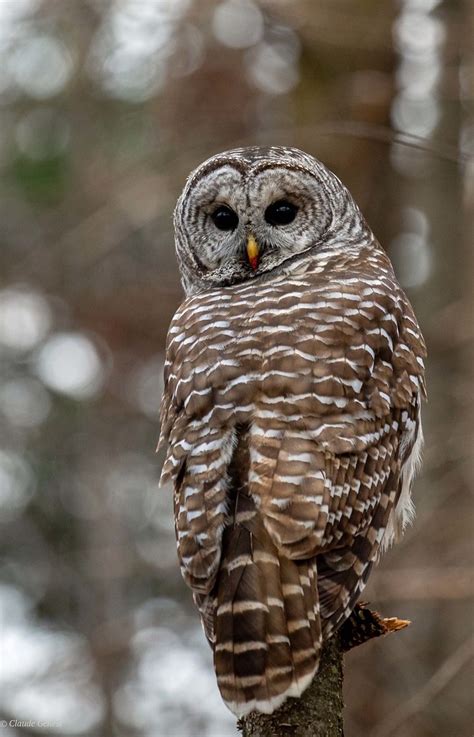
(106,105)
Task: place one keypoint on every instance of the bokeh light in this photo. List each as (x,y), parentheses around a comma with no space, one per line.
(238,24)
(25,318)
(411,251)
(17,484)
(130,51)
(273,67)
(41,66)
(419,38)
(70,364)
(146,386)
(24,401)
(149,691)
(46,675)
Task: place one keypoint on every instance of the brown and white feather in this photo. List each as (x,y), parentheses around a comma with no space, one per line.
(291,415)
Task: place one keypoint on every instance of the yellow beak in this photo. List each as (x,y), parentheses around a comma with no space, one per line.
(252,252)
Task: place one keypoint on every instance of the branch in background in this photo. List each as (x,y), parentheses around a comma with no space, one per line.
(438,681)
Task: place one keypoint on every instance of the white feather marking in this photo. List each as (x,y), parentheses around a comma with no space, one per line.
(404,512)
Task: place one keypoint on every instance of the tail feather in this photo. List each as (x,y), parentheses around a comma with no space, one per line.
(267,626)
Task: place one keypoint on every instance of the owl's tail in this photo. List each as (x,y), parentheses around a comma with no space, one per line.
(267,625)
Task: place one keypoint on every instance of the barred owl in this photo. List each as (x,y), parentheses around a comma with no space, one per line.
(291,413)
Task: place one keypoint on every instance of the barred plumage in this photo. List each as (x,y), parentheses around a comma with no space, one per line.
(292,416)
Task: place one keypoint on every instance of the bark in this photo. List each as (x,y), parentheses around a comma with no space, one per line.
(317,713)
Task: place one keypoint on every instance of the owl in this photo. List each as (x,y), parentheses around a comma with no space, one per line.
(291,413)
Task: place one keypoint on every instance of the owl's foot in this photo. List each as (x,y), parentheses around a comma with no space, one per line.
(364,624)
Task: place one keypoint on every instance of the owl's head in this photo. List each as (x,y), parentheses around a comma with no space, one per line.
(251,211)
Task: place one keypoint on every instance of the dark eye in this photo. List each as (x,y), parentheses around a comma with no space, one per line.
(225,218)
(280,212)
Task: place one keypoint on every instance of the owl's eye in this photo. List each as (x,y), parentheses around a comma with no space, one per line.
(280,212)
(225,218)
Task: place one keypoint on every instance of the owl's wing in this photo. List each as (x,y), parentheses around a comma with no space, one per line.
(199,436)
(345,508)
(370,506)
(337,486)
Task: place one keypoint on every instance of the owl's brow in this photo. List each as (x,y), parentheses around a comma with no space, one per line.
(214,165)
(288,165)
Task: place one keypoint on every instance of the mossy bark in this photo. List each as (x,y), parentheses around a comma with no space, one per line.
(317,713)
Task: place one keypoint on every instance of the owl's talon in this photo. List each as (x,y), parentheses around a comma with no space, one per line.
(365,624)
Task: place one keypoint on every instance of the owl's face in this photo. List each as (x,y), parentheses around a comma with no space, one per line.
(247,212)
